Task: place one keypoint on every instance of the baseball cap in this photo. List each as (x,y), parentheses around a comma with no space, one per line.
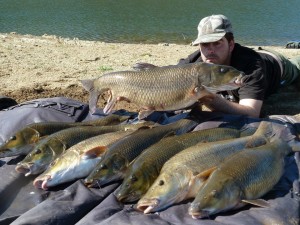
(212,28)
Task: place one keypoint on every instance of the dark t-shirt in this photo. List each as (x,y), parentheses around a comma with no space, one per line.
(262,73)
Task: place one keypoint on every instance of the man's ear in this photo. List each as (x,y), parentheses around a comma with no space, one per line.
(231,45)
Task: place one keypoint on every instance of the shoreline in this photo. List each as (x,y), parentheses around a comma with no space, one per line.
(34,67)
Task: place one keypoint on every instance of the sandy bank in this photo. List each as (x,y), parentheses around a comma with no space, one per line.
(47,66)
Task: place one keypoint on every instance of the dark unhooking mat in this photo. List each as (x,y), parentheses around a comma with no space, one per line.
(73,203)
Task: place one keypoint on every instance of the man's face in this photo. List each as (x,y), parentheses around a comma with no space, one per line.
(218,52)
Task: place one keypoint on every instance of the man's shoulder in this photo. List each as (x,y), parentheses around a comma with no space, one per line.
(243,56)
(194,57)
(240,49)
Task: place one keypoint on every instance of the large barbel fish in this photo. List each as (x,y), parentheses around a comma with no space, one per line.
(162,88)
(181,177)
(78,161)
(22,142)
(242,178)
(146,167)
(117,159)
(51,147)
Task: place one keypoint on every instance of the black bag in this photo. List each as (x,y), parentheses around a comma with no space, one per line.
(40,110)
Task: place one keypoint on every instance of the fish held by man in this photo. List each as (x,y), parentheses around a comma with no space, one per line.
(23,141)
(242,178)
(162,88)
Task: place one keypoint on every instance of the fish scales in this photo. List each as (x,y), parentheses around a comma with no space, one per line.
(146,167)
(250,178)
(78,161)
(178,178)
(22,142)
(245,176)
(163,88)
(116,160)
(54,145)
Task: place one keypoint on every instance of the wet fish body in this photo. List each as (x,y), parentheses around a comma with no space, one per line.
(240,179)
(54,145)
(162,88)
(116,160)
(182,176)
(78,161)
(146,167)
(22,142)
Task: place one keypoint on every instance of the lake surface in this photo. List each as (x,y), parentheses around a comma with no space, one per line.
(268,22)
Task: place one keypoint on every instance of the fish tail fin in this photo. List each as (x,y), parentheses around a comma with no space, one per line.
(94,93)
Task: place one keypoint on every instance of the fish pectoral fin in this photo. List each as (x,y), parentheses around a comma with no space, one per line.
(205,174)
(258,202)
(144,113)
(94,152)
(110,105)
(57,146)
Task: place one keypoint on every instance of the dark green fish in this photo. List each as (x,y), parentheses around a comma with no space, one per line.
(146,167)
(22,142)
(117,158)
(54,145)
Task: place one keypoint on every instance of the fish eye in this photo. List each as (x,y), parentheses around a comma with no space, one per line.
(133,178)
(38,151)
(103,166)
(214,193)
(13,138)
(161,183)
(223,69)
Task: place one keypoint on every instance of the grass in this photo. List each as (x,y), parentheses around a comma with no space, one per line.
(105,68)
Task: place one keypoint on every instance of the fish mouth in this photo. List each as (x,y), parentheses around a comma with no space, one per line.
(91,183)
(131,197)
(24,168)
(148,205)
(41,183)
(199,214)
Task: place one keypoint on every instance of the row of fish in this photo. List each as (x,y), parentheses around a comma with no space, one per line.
(185,175)
(161,165)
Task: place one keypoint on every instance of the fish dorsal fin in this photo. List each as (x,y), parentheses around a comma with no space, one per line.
(255,142)
(94,152)
(258,202)
(144,113)
(143,66)
(265,129)
(206,173)
(169,134)
(144,128)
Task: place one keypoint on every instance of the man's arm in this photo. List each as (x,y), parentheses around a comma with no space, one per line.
(248,107)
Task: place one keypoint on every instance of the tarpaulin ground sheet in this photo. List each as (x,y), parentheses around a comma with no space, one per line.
(74,203)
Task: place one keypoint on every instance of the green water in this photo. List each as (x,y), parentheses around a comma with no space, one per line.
(152,21)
